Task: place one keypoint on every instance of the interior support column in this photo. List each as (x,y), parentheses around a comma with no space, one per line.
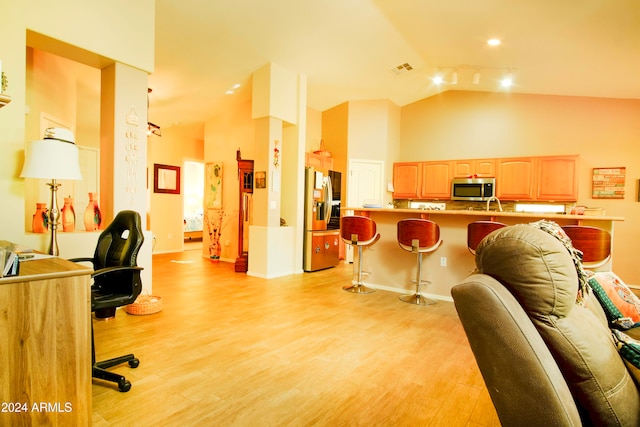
(123,151)
(279,101)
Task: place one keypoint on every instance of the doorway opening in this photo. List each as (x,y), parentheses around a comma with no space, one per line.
(193,209)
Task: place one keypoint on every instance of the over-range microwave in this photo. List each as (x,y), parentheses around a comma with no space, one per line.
(473,189)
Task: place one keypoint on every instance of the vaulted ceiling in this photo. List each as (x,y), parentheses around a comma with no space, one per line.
(350,49)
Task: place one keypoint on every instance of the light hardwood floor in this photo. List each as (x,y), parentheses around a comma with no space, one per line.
(234,350)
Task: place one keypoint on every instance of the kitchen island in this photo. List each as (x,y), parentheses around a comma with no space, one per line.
(392,268)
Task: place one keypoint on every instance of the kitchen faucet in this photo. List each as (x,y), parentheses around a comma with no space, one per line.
(492,199)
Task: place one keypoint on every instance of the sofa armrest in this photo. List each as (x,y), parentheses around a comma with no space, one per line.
(506,344)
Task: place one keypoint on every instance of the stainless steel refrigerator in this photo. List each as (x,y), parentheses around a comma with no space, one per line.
(321,242)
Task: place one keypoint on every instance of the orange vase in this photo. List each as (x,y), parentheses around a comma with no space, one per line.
(68,215)
(92,215)
(40,223)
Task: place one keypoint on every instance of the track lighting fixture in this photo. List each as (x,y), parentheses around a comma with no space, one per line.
(473,72)
(476,77)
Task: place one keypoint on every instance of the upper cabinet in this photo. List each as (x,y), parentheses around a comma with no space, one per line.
(406,179)
(319,161)
(549,178)
(515,178)
(436,180)
(557,178)
(481,168)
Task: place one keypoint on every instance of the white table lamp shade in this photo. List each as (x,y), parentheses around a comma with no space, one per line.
(51,159)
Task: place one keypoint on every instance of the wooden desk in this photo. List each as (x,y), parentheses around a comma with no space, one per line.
(45,345)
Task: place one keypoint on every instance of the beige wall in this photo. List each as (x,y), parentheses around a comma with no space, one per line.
(363,130)
(314,130)
(374,134)
(65,25)
(604,132)
(335,133)
(69,29)
(165,215)
(223,135)
(69,93)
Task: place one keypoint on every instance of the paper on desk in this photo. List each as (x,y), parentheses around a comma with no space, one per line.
(33,256)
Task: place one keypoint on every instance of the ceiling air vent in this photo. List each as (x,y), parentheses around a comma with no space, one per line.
(401,69)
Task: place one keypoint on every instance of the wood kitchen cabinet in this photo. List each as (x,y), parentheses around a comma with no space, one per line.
(436,180)
(319,161)
(515,178)
(556,178)
(545,178)
(481,168)
(407,176)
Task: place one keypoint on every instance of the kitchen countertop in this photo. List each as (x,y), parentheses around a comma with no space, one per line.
(490,214)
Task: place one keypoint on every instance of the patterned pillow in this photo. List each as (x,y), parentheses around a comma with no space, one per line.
(620,304)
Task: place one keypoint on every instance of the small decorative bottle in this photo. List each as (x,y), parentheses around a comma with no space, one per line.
(92,215)
(68,215)
(40,223)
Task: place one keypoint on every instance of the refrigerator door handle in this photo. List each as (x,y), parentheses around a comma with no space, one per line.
(328,199)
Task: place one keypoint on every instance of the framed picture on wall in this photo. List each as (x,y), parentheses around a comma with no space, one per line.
(608,183)
(261,179)
(166,179)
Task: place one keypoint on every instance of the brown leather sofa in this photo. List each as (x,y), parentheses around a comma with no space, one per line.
(545,360)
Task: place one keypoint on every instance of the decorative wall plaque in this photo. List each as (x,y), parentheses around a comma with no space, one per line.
(608,183)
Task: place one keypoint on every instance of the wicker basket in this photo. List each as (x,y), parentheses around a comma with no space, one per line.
(145,304)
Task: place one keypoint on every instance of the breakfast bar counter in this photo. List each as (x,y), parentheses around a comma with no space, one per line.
(393,269)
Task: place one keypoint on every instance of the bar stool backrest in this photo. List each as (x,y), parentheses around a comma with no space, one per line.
(357,230)
(593,242)
(421,231)
(478,230)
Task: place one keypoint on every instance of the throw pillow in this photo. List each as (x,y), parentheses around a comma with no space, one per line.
(620,304)
(630,351)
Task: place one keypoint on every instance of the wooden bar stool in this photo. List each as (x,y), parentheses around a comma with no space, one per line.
(418,236)
(359,231)
(593,242)
(478,230)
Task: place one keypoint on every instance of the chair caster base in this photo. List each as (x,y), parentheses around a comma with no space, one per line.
(416,299)
(99,371)
(358,289)
(124,386)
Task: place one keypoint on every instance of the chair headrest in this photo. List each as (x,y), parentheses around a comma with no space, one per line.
(535,266)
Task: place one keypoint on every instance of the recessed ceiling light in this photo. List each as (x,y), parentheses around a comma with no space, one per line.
(236,86)
(493,42)
(229,92)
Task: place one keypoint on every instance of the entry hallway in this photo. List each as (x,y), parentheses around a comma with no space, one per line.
(234,350)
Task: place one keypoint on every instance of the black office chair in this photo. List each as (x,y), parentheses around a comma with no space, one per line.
(116,282)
